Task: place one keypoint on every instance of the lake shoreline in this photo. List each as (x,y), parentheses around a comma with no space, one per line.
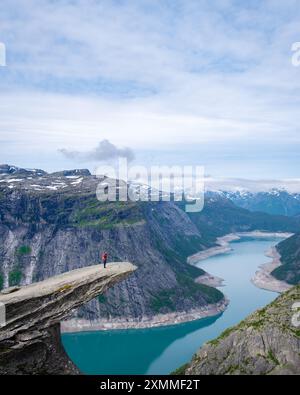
(159,320)
(263,278)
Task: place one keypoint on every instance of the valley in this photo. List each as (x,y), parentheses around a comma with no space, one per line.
(193,269)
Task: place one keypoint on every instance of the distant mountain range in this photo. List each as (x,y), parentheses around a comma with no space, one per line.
(275,201)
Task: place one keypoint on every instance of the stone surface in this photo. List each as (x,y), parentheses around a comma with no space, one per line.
(30,340)
(267,342)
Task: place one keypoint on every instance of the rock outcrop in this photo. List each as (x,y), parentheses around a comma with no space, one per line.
(265,343)
(30,340)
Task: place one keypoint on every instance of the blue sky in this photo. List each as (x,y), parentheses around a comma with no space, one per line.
(204,82)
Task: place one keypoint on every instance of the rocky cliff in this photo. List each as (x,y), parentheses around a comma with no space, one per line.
(289,251)
(30,339)
(267,342)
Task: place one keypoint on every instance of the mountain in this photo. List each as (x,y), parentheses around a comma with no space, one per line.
(53,223)
(275,201)
(221,216)
(18,171)
(289,251)
(265,343)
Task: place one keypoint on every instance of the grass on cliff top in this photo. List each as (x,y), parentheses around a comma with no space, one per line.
(180,371)
(106,215)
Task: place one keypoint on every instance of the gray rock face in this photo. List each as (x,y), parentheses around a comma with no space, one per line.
(267,342)
(18,171)
(30,340)
(69,173)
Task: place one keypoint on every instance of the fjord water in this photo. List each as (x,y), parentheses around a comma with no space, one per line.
(161,350)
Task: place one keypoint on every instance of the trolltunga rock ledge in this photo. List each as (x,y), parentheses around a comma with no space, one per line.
(30,340)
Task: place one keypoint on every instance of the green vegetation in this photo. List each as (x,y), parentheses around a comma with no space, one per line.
(23,250)
(102,298)
(188,288)
(232,369)
(106,215)
(297,332)
(273,358)
(289,250)
(14,277)
(180,371)
(191,289)
(64,288)
(175,257)
(223,335)
(1,282)
(163,299)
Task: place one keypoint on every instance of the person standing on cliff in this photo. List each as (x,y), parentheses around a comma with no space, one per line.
(104,258)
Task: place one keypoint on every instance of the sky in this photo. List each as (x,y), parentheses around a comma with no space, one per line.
(173,81)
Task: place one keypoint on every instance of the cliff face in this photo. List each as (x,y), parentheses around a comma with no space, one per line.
(267,342)
(289,251)
(30,340)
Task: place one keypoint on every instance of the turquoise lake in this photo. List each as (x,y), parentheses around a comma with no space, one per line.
(161,350)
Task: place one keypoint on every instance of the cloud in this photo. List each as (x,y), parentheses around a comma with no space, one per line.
(104,151)
(149,74)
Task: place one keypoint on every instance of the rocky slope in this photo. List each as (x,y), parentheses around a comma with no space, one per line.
(265,343)
(289,270)
(30,338)
(52,223)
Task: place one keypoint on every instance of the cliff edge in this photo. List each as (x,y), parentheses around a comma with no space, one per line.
(265,343)
(30,338)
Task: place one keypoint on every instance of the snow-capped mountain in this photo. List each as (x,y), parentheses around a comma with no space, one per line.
(276,201)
